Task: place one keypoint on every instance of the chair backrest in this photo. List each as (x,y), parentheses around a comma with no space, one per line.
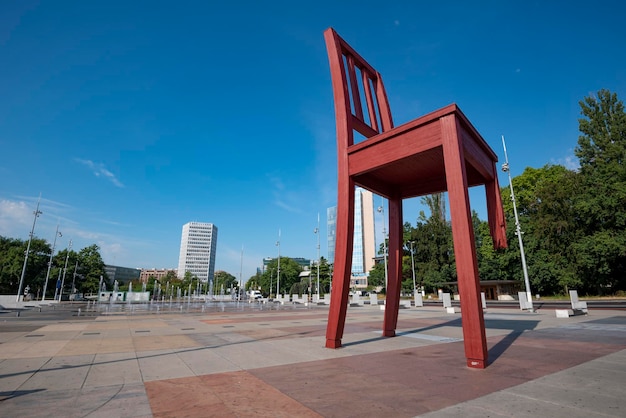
(360,100)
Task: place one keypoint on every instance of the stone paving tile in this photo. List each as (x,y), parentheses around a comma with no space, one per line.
(203,361)
(14,372)
(30,347)
(162,364)
(100,345)
(108,402)
(72,327)
(110,369)
(163,342)
(236,394)
(48,375)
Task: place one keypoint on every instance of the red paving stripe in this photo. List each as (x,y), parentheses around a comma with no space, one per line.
(235,394)
(399,383)
(409,382)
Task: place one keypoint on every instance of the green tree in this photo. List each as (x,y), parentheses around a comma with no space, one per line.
(12,252)
(601,251)
(325,274)
(223,281)
(90,269)
(289,274)
(66,269)
(376,276)
(253,283)
(434,254)
(545,204)
(11,262)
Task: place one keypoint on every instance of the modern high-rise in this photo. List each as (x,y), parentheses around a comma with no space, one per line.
(364,246)
(197,250)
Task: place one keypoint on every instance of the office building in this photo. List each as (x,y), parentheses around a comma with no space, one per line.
(197,251)
(364,246)
(156,274)
(123,275)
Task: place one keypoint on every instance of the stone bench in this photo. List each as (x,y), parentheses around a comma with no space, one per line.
(578,307)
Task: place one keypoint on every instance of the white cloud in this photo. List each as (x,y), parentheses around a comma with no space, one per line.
(14,216)
(570,162)
(99,170)
(285,199)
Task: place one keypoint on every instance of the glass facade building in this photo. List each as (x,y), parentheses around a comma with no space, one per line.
(364,246)
(197,250)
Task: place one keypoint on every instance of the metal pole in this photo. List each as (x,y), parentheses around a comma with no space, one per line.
(382,211)
(37,212)
(74,280)
(317,232)
(518,229)
(241,275)
(67,256)
(278,274)
(413,268)
(45,286)
(271,277)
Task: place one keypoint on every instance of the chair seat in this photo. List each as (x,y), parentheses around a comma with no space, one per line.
(407,161)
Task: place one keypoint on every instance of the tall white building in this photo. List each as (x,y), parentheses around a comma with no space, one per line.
(197,250)
(364,246)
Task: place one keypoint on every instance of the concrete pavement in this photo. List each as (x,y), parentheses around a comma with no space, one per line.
(239,362)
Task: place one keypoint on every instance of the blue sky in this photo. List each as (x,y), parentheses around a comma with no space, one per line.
(132,118)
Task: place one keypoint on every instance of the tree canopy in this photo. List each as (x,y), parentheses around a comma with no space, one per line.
(82,269)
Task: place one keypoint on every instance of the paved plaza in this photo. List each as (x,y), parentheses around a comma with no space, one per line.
(241,360)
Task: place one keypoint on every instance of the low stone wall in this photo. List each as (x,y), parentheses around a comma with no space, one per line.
(8,302)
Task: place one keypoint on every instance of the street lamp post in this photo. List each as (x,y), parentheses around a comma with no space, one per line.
(381,211)
(271,277)
(73,291)
(54,243)
(37,212)
(518,230)
(241,275)
(67,256)
(413,268)
(317,232)
(278,274)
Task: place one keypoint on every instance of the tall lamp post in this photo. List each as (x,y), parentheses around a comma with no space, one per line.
(54,243)
(317,233)
(413,268)
(278,274)
(241,275)
(518,230)
(37,212)
(67,256)
(271,277)
(381,211)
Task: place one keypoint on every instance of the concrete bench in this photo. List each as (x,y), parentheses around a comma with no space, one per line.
(578,307)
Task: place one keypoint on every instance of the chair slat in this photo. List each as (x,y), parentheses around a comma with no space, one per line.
(354,87)
(371,106)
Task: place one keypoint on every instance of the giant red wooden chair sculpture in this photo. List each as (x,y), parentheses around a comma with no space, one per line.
(437,152)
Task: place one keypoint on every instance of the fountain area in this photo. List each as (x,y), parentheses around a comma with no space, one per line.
(174,300)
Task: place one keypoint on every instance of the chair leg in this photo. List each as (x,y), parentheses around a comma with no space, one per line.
(394,284)
(464,246)
(344,238)
(495,213)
